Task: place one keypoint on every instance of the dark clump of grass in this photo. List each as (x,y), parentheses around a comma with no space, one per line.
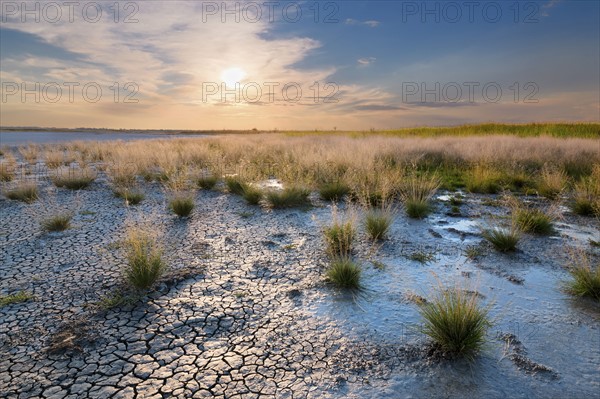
(235,185)
(145,264)
(585,278)
(207,182)
(333,191)
(59,222)
(290,197)
(339,238)
(422,256)
(456,322)
(503,239)
(417,209)
(344,273)
(416,192)
(533,221)
(131,197)
(17,297)
(74,179)
(377,223)
(583,207)
(252,194)
(26,192)
(182,205)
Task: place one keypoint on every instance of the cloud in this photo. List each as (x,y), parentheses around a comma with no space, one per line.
(370,23)
(548,5)
(366,61)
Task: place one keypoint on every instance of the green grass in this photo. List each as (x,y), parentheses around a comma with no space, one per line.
(339,238)
(182,204)
(422,256)
(417,209)
(207,182)
(252,194)
(290,197)
(17,297)
(145,264)
(585,278)
(7,172)
(132,197)
(378,223)
(334,191)
(74,179)
(235,185)
(456,322)
(25,192)
(503,239)
(552,182)
(456,200)
(416,192)
(484,180)
(344,273)
(533,221)
(59,222)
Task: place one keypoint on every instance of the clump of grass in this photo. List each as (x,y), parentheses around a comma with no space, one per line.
(290,197)
(339,237)
(235,185)
(456,200)
(585,278)
(334,191)
(25,192)
(145,264)
(422,256)
(131,196)
(73,179)
(552,183)
(484,180)
(344,273)
(30,153)
(456,322)
(17,297)
(58,222)
(252,194)
(182,204)
(7,171)
(378,222)
(53,158)
(416,191)
(502,238)
(586,200)
(123,175)
(532,220)
(207,182)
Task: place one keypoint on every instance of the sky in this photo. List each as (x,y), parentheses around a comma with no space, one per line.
(300,65)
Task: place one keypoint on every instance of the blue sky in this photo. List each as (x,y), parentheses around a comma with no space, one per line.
(173,62)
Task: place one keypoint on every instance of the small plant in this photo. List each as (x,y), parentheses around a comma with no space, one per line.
(25,192)
(417,192)
(586,201)
(339,237)
(290,197)
(131,196)
(484,180)
(73,179)
(533,221)
(456,200)
(344,273)
(145,264)
(456,322)
(422,256)
(235,185)
(585,278)
(503,239)
(116,299)
(552,183)
(58,222)
(333,191)
(7,171)
(207,182)
(17,297)
(252,194)
(30,153)
(473,252)
(378,222)
(182,204)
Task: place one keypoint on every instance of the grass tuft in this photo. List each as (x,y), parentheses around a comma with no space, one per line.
(145,264)
(378,222)
(182,204)
(252,194)
(335,191)
(17,297)
(484,180)
(290,197)
(131,197)
(503,239)
(533,221)
(339,238)
(456,322)
(552,183)
(344,273)
(416,192)
(25,192)
(585,278)
(207,182)
(235,185)
(59,222)
(74,179)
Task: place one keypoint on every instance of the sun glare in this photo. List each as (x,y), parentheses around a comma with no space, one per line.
(232,76)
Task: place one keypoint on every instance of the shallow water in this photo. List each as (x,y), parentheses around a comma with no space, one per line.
(20,138)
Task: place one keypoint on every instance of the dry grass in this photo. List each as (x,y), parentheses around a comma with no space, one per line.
(30,153)
(553,182)
(24,191)
(73,178)
(416,192)
(145,264)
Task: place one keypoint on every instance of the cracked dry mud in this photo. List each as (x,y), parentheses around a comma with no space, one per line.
(244,311)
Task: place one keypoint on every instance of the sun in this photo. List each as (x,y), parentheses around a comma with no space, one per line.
(231,76)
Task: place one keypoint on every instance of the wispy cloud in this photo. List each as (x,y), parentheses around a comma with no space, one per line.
(370,23)
(366,61)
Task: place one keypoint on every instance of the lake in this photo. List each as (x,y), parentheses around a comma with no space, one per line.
(24,137)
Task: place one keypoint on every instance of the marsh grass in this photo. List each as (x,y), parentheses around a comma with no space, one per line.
(253,195)
(145,264)
(339,235)
(289,197)
(585,277)
(552,183)
(416,192)
(377,222)
(532,220)
(344,273)
(422,256)
(207,182)
(59,222)
(182,204)
(586,197)
(456,322)
(334,191)
(132,196)
(7,171)
(484,179)
(504,239)
(17,297)
(235,185)
(30,153)
(24,192)
(73,179)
